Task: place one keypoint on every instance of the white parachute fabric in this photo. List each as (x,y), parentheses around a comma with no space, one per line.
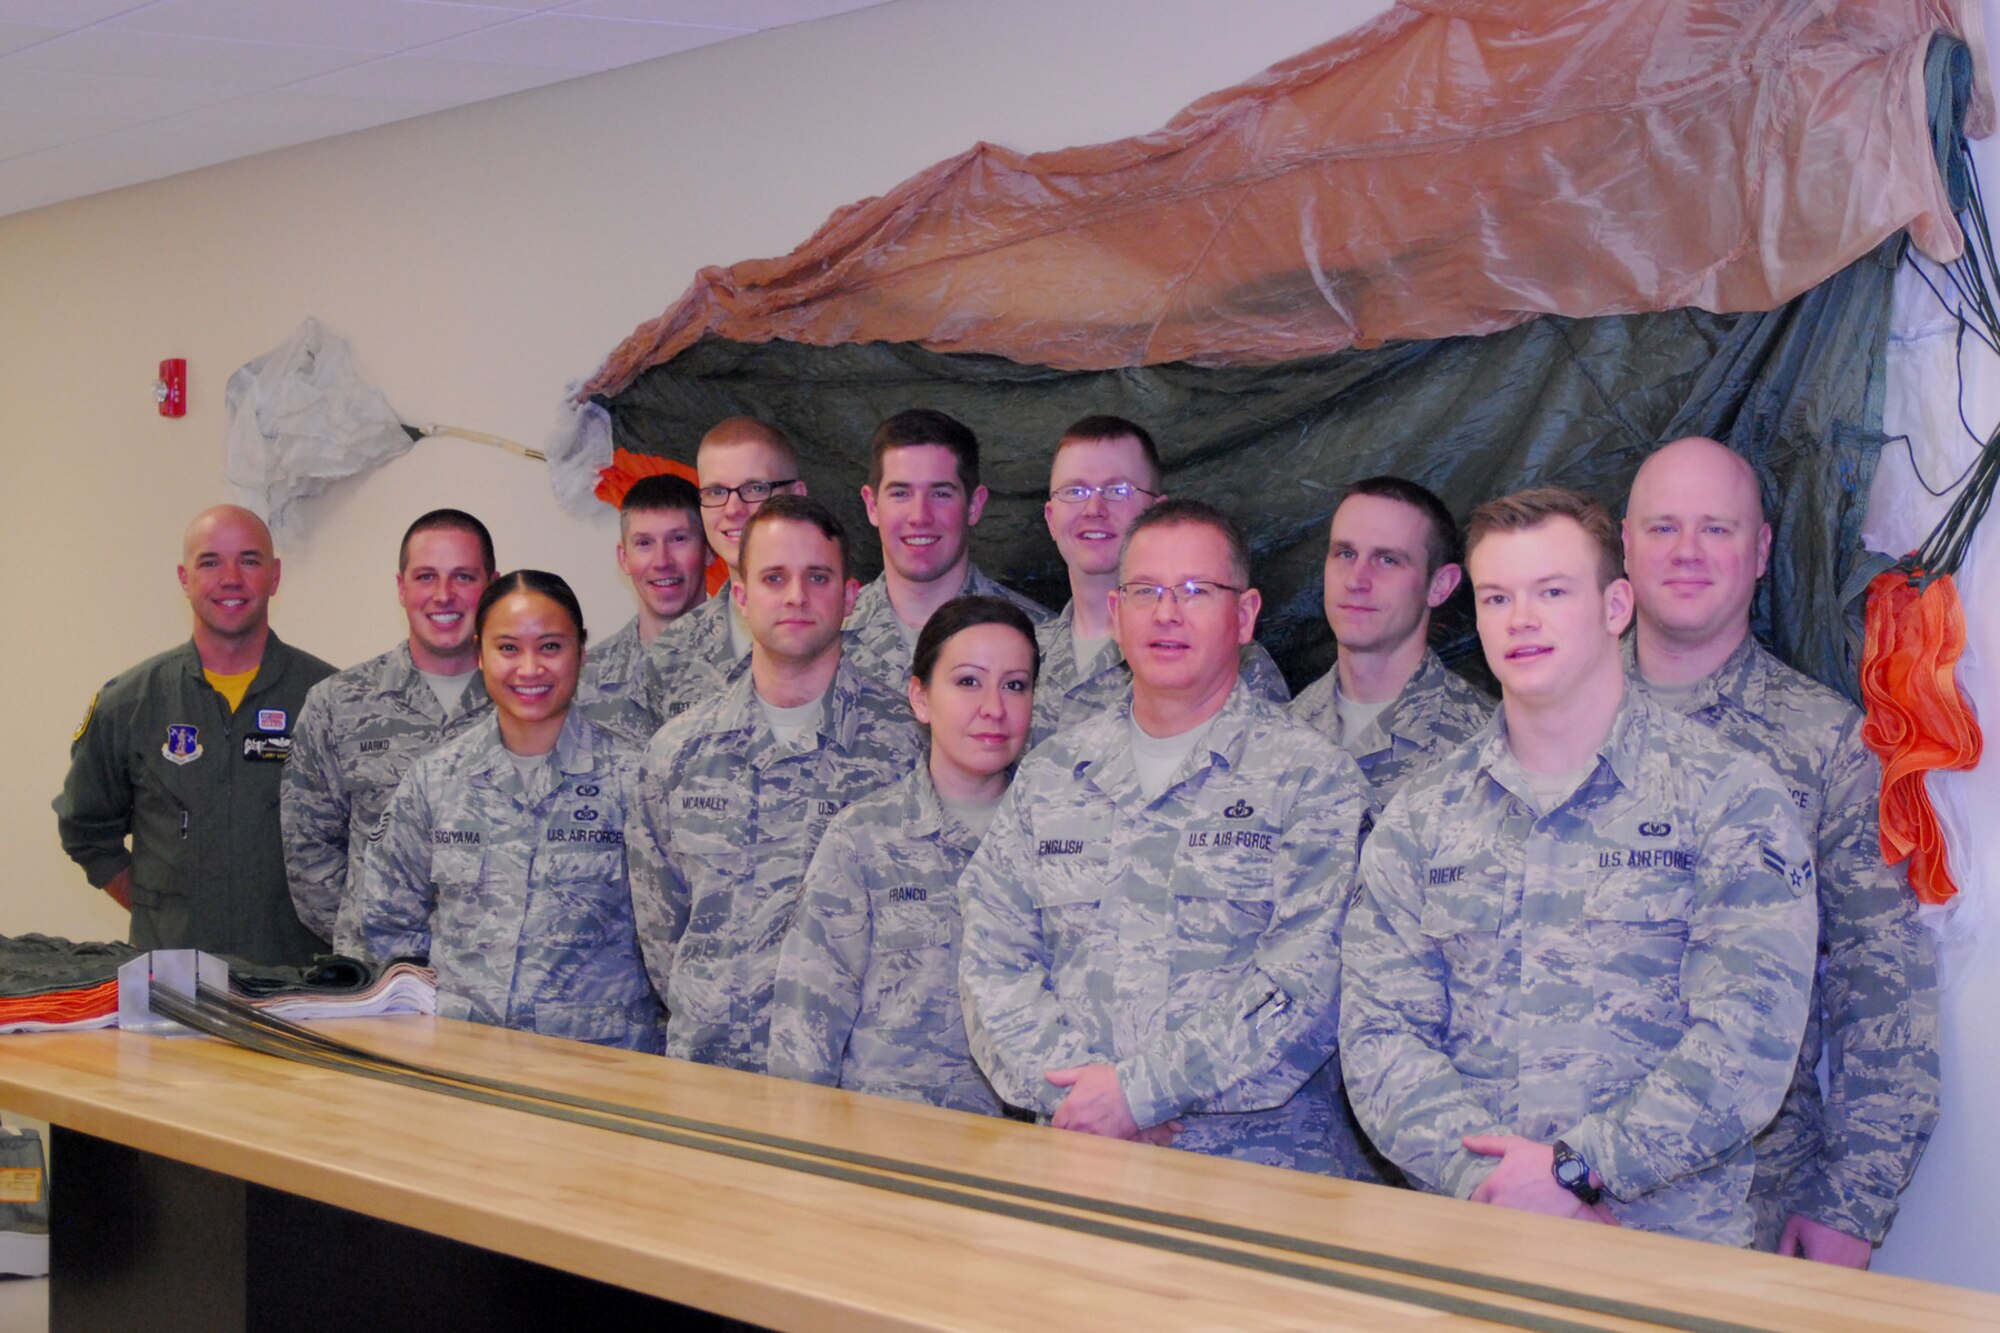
(577,450)
(300,418)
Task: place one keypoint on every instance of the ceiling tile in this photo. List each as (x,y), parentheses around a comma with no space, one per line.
(65,13)
(567,42)
(518,6)
(95,94)
(749,15)
(14,36)
(368,25)
(428,77)
(97,101)
(125,53)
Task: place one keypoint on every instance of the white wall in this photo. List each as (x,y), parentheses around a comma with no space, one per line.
(481,258)
(477,260)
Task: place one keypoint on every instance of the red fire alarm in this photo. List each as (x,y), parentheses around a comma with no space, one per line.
(171,389)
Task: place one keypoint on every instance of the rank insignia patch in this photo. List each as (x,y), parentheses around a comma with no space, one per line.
(183,744)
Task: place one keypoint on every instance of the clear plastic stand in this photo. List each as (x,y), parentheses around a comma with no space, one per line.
(175,970)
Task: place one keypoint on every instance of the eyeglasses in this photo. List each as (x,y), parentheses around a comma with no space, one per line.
(1189,592)
(1117,490)
(753,492)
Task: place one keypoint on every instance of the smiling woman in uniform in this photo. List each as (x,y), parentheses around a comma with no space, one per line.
(502,855)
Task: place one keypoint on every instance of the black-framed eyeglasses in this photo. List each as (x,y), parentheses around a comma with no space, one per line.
(1117,490)
(1188,592)
(753,492)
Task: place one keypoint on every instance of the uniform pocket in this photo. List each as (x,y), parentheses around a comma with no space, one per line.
(904,926)
(457,866)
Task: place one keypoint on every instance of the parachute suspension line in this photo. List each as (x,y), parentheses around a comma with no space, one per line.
(1975,281)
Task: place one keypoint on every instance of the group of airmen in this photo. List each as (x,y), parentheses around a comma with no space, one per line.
(1621,948)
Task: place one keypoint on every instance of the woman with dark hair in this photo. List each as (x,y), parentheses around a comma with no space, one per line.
(502,854)
(867,991)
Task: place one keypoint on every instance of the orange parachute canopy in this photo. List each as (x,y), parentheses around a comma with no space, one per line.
(1917,718)
(1453,167)
(625,471)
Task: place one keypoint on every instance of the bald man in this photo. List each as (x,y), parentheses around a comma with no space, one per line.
(1829,1169)
(183,754)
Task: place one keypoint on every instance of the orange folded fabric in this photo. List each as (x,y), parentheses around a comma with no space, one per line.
(1918,719)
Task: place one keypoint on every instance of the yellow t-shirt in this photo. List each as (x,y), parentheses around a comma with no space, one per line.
(232,688)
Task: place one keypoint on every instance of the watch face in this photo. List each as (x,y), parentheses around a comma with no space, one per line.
(1571,1171)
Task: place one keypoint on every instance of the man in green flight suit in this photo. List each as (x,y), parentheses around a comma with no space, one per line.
(183,753)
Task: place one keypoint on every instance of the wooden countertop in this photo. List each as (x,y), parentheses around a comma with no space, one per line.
(793,1250)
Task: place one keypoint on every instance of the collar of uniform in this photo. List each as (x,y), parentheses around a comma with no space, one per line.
(1428,676)
(871,607)
(487,754)
(923,812)
(979,584)
(271,667)
(1621,750)
(702,633)
(576,745)
(1224,737)
(1109,658)
(623,639)
(490,758)
(399,676)
(838,717)
(1741,679)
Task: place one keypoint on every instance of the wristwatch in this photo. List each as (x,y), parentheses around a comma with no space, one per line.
(1573,1173)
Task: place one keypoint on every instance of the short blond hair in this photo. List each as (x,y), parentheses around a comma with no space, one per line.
(1531,509)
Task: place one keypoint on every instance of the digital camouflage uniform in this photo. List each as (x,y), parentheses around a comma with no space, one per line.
(1192,941)
(690,661)
(1874,1007)
(725,820)
(612,690)
(359,731)
(518,895)
(1066,693)
(1628,973)
(161,757)
(874,638)
(867,990)
(1437,711)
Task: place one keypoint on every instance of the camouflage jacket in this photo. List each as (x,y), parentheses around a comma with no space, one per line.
(518,895)
(874,636)
(1841,1161)
(1191,941)
(359,732)
(612,690)
(1627,973)
(690,661)
(726,816)
(867,989)
(1437,712)
(1069,692)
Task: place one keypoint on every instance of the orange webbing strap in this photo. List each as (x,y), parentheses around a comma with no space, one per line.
(1917,718)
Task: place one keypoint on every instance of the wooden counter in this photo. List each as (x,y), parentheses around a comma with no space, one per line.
(782,1248)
